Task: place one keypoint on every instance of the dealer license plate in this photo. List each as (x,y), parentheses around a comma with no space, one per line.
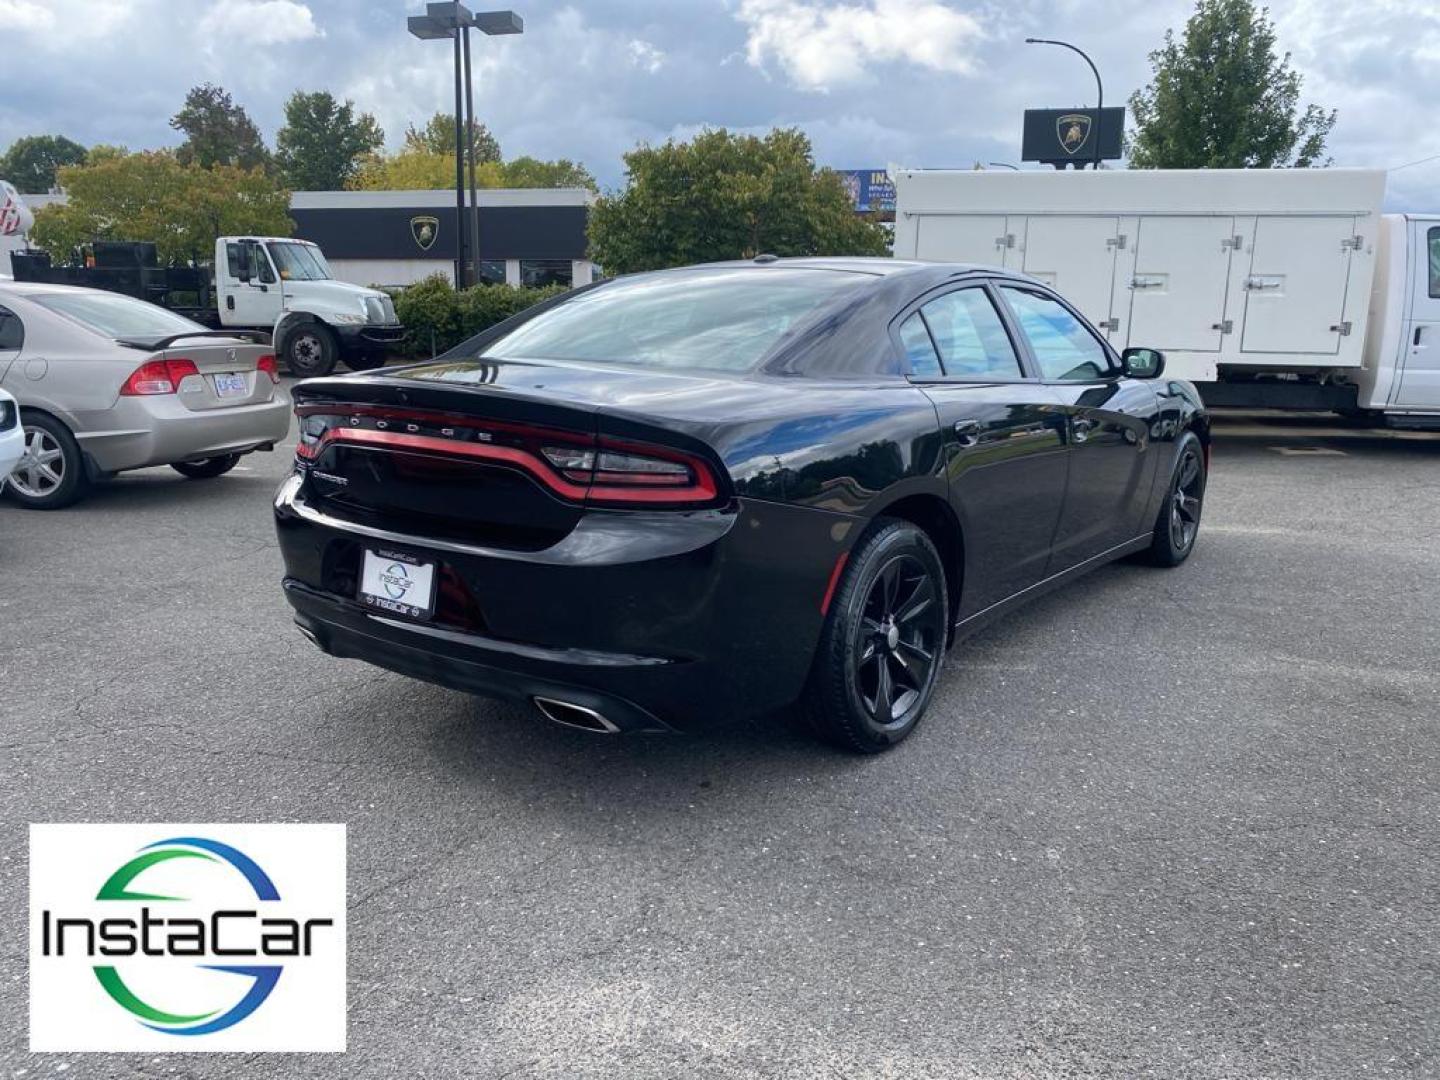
(398,583)
(231,384)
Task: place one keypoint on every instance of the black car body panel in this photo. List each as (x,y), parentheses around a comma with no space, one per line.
(692,615)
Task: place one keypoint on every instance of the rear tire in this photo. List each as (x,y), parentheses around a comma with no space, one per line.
(311,350)
(51,475)
(1178,524)
(883,644)
(207,468)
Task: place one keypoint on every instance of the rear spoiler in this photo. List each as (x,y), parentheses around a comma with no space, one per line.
(255,337)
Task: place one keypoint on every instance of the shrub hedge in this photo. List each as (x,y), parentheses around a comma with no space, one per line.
(437,317)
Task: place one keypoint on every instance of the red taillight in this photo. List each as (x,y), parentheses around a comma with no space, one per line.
(158,377)
(596,470)
(267,364)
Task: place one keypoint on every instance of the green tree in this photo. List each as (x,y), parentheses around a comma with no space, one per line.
(217,131)
(437,136)
(529,172)
(323,142)
(1221,98)
(152,196)
(725,196)
(30,163)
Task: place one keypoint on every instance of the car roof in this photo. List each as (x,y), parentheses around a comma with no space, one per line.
(873,265)
(34,288)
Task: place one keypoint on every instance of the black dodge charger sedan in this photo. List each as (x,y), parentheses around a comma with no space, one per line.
(677,498)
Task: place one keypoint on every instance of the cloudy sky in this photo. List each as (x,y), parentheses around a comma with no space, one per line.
(912,82)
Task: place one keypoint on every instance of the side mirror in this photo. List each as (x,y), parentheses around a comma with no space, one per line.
(1143,363)
(242,269)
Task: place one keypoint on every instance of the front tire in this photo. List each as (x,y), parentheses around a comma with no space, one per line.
(883,643)
(1178,524)
(51,474)
(206,468)
(311,350)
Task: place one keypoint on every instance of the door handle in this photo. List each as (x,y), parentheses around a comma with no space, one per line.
(1419,335)
(968,431)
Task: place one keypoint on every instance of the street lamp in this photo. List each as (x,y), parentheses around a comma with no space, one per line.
(1099,86)
(452,19)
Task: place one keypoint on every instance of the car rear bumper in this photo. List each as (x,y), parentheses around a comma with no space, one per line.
(655,621)
(143,431)
(12,446)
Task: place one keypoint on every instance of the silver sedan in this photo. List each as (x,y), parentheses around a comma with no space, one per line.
(107,383)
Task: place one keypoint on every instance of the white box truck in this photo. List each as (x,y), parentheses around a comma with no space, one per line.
(1278,288)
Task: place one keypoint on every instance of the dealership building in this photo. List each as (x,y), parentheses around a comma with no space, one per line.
(531,236)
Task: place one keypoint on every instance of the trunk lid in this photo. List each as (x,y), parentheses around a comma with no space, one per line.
(483,452)
(228,374)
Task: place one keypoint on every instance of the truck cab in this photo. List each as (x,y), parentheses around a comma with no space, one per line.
(278,283)
(1402,351)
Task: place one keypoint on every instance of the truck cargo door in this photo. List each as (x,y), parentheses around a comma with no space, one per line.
(1076,255)
(965,238)
(1177,293)
(1420,347)
(1295,289)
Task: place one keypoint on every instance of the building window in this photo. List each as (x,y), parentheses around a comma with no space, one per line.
(537,272)
(492,271)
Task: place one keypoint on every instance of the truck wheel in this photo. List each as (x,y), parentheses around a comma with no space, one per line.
(310,350)
(365,361)
(206,468)
(51,474)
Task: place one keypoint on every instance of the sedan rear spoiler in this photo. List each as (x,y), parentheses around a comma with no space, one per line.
(152,344)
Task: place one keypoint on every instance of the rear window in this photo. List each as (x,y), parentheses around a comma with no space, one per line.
(718,319)
(116,316)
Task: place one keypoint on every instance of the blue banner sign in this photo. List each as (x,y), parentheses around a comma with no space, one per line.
(870,189)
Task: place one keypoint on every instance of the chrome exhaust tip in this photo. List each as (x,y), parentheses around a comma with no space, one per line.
(568,714)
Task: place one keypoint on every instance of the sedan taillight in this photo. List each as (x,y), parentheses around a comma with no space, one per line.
(158,377)
(267,364)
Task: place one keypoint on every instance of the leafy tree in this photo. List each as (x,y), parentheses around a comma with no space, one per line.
(217,131)
(30,163)
(323,141)
(437,136)
(725,196)
(529,172)
(152,196)
(418,169)
(1222,99)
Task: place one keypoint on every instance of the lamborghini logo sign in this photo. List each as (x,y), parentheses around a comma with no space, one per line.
(1073,130)
(424,229)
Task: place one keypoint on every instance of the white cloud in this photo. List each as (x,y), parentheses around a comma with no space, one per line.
(646,57)
(23,15)
(821,45)
(259,22)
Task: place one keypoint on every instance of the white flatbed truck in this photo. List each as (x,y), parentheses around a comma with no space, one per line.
(1268,288)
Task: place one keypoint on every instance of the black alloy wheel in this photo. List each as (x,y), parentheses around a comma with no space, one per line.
(884,641)
(1178,524)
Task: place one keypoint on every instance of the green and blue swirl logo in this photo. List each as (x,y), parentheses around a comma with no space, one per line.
(246,935)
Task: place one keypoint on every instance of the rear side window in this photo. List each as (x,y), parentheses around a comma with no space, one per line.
(971,338)
(1433,242)
(1063,347)
(722,319)
(12,331)
(920,354)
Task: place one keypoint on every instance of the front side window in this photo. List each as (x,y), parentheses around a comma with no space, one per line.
(1432,239)
(298,262)
(116,316)
(723,319)
(971,338)
(1063,347)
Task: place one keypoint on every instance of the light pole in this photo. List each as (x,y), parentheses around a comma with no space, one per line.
(1099,86)
(451,19)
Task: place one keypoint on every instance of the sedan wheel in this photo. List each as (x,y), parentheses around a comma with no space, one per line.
(883,643)
(50,474)
(1178,524)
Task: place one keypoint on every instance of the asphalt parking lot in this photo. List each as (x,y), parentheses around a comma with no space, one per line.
(1160,824)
